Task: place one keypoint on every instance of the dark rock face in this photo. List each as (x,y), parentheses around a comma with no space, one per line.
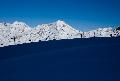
(118,28)
(93,59)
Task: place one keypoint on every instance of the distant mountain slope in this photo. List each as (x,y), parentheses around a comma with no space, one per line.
(19,33)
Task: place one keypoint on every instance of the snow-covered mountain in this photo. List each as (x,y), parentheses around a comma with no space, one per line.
(57,30)
(19,33)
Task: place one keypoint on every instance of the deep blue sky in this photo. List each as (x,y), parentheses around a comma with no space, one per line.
(82,14)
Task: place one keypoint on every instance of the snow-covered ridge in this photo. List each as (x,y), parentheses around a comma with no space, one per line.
(19,33)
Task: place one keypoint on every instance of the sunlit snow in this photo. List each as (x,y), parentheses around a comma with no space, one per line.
(19,33)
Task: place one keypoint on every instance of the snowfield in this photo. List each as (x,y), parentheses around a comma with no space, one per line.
(19,33)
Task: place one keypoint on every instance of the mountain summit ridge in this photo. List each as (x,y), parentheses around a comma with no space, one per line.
(20,32)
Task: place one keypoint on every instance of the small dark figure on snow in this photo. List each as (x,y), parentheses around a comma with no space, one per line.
(111,35)
(81,35)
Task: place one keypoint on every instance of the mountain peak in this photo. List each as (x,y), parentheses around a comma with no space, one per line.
(60,22)
(19,23)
